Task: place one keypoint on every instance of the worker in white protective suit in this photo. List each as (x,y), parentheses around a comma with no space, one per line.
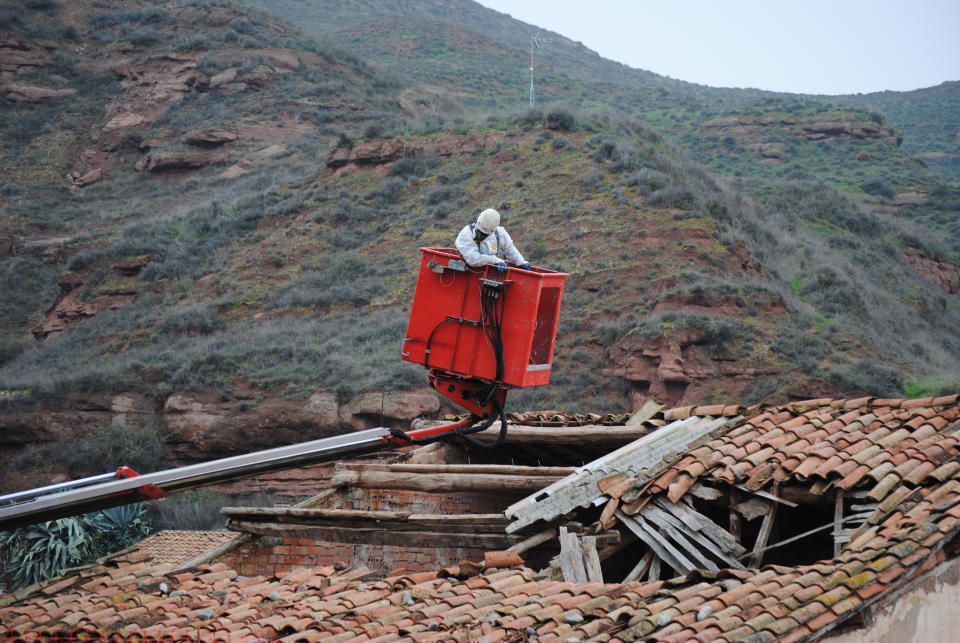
(486,243)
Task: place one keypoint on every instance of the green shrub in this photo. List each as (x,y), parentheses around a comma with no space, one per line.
(710,329)
(675,196)
(28,286)
(195,510)
(648,180)
(345,278)
(438,195)
(800,347)
(196,319)
(199,509)
(413,167)
(930,387)
(831,293)
(561,120)
(870,377)
(40,5)
(877,187)
(529,119)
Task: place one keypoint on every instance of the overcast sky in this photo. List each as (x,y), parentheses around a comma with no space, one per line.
(808,46)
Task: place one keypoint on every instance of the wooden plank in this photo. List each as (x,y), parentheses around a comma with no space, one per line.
(375,536)
(533,541)
(481,523)
(696,520)
(654,573)
(591,560)
(596,435)
(340,514)
(766,495)
(440,482)
(765,528)
(571,557)
(608,515)
(360,514)
(838,523)
(657,543)
(670,526)
(696,536)
(497,469)
(640,568)
(736,527)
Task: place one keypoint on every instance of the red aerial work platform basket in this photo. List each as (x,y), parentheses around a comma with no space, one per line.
(446,333)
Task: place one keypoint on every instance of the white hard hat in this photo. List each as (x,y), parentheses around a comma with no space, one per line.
(488,221)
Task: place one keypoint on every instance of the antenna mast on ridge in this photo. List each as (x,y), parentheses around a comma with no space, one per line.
(536,41)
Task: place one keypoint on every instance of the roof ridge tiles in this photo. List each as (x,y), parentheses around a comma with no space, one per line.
(916,403)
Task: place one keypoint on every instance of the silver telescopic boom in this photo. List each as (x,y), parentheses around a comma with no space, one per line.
(104,491)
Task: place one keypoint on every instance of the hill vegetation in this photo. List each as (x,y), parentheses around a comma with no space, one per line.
(213,200)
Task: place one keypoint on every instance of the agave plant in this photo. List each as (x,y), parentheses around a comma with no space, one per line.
(35,553)
(119,527)
(41,551)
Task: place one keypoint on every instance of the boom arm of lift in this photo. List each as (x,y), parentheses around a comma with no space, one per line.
(126,486)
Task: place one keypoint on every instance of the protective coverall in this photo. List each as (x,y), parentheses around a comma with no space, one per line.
(492,250)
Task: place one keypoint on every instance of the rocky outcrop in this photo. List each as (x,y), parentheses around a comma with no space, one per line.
(251,160)
(678,368)
(209,137)
(817,127)
(33,94)
(910,197)
(84,416)
(70,308)
(17,54)
(945,275)
(388,151)
(93,176)
(124,120)
(202,426)
(376,409)
(744,125)
(843,125)
(162,161)
(769,150)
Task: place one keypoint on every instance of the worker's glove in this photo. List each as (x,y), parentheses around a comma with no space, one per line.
(501,267)
(524,266)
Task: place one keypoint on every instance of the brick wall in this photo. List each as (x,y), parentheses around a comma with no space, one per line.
(269,556)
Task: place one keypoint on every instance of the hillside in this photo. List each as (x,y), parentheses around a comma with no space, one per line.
(211,222)
(463,46)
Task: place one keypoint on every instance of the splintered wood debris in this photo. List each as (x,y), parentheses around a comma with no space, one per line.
(641,459)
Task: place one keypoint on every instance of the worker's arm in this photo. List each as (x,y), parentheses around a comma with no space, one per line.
(468,248)
(509,250)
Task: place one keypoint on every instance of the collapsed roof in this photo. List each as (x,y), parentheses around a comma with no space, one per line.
(886,471)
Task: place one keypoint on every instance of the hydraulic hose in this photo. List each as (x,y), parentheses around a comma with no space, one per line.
(464,431)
